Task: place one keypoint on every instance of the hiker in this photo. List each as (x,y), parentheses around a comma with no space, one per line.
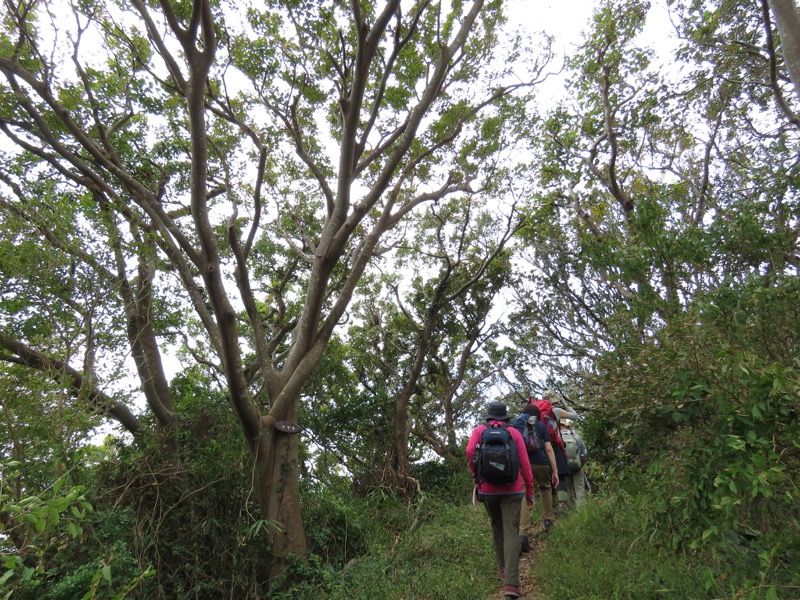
(502,501)
(549,419)
(576,459)
(561,409)
(543,465)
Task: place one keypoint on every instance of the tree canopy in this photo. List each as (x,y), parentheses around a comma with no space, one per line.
(218,219)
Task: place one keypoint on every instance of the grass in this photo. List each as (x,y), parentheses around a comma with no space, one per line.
(448,556)
(600,553)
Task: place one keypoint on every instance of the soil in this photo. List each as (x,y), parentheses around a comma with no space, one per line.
(527,583)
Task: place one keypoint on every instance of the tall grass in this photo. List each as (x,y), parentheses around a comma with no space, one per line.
(605,551)
(601,553)
(447,554)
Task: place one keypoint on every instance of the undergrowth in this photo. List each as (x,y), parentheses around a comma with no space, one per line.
(447,555)
(601,552)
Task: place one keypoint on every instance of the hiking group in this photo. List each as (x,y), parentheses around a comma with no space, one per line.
(511,458)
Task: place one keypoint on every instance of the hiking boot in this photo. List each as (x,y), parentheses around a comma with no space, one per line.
(547,524)
(512,591)
(525,543)
(502,574)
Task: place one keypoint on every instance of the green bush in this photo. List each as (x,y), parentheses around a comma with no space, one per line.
(709,412)
(448,556)
(444,481)
(603,552)
(337,525)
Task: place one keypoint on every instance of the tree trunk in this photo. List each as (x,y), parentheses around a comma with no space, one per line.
(277,468)
(402,432)
(787,17)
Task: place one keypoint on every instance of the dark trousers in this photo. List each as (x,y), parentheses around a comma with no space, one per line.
(503,512)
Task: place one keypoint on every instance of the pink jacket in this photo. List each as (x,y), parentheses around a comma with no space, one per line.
(524,482)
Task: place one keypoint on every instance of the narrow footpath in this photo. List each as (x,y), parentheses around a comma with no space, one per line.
(526,582)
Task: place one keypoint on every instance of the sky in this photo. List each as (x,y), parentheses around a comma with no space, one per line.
(563,20)
(566,22)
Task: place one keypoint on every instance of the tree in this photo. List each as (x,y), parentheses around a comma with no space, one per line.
(659,185)
(662,273)
(422,334)
(787,18)
(222,176)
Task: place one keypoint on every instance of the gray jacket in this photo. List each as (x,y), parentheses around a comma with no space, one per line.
(563,411)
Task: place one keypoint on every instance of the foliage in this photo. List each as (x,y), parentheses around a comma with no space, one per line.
(603,552)
(446,557)
(661,283)
(197,525)
(340,525)
(44,521)
(444,482)
(364,169)
(210,181)
(710,411)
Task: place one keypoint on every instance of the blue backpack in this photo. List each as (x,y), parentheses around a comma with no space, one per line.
(526,425)
(496,459)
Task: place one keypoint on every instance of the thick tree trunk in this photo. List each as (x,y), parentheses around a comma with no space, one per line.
(787,17)
(277,464)
(402,432)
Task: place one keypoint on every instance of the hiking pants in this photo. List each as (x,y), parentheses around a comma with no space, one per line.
(544,495)
(566,490)
(503,511)
(579,487)
(572,490)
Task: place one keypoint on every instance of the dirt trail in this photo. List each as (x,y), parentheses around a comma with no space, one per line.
(526,581)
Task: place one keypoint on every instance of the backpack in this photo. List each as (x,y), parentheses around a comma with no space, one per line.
(549,419)
(526,425)
(575,459)
(496,459)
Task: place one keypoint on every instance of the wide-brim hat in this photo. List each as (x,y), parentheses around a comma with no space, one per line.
(553,396)
(497,411)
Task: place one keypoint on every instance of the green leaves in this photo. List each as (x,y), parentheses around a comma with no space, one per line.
(40,520)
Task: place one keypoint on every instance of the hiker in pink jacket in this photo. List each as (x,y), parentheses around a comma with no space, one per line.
(502,500)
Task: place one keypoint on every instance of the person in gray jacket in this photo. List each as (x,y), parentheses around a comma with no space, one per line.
(561,409)
(576,482)
(567,496)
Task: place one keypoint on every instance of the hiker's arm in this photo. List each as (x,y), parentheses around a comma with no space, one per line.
(548,447)
(563,411)
(473,441)
(524,462)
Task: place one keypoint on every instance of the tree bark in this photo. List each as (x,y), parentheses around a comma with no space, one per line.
(787,18)
(278,484)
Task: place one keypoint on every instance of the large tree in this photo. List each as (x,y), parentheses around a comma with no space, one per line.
(657,184)
(787,19)
(422,335)
(220,176)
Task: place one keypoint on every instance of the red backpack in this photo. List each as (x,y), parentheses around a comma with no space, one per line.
(549,419)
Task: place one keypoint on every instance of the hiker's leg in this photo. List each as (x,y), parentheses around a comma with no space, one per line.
(544,490)
(579,483)
(524,516)
(563,493)
(569,489)
(510,507)
(571,498)
(492,505)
